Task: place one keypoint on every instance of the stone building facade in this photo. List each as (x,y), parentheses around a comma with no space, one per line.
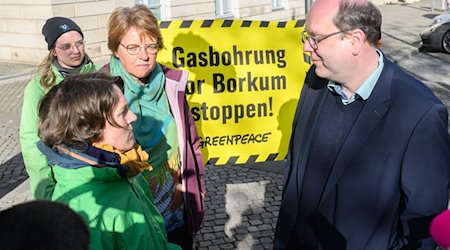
(21,21)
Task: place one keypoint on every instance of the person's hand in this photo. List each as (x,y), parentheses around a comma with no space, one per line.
(203,195)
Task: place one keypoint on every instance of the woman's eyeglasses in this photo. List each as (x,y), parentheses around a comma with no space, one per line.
(68,48)
(134,49)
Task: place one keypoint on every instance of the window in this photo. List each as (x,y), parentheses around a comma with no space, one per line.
(224,8)
(155,6)
(276,4)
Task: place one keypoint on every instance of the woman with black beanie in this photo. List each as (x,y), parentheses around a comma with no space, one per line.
(65,42)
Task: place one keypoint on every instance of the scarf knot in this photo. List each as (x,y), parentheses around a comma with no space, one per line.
(135,158)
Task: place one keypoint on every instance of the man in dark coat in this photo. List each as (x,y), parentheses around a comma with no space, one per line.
(369,157)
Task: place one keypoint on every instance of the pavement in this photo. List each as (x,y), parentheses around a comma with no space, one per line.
(242,200)
(13,177)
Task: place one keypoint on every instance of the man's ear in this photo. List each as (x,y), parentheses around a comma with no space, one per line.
(358,38)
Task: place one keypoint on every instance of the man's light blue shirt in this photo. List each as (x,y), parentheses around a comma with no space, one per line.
(365,89)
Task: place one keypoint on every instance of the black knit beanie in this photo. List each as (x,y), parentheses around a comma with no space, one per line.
(55,27)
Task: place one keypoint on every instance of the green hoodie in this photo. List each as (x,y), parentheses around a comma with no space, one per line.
(119,212)
(41,184)
(120,215)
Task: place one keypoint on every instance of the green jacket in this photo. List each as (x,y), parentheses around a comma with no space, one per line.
(35,163)
(119,211)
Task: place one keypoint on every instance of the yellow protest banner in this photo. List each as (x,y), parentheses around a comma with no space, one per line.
(244,82)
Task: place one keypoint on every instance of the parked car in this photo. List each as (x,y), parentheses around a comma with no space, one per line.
(437,36)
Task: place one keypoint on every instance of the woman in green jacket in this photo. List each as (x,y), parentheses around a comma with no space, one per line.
(66,57)
(87,137)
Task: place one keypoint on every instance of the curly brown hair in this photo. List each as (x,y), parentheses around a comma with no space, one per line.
(75,111)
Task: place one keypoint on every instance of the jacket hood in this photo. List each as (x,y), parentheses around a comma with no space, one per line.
(64,160)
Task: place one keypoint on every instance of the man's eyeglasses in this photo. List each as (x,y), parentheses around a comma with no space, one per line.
(134,49)
(315,40)
(68,48)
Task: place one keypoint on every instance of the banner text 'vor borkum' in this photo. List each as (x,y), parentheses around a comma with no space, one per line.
(244,82)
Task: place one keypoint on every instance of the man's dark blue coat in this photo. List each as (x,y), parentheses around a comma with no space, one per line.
(391,176)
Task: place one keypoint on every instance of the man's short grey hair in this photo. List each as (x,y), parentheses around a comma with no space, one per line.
(362,15)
